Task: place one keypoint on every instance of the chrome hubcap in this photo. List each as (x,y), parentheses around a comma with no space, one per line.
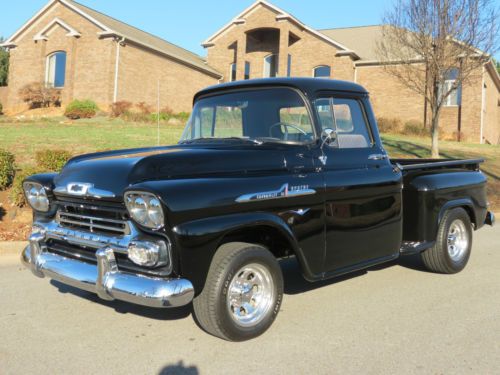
(458,240)
(250,295)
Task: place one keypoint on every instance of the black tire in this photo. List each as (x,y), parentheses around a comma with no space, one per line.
(440,258)
(211,305)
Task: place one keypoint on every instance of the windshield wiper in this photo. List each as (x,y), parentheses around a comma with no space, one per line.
(216,139)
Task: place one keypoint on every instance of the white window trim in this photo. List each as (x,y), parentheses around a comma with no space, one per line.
(231,72)
(264,66)
(55,66)
(43,36)
(447,102)
(321,66)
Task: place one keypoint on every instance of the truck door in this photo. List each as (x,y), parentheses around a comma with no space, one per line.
(362,189)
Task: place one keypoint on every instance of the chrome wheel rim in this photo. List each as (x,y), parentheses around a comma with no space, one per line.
(250,295)
(458,240)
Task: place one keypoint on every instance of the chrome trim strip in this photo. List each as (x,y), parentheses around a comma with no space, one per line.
(285,191)
(93,222)
(104,279)
(83,189)
(53,230)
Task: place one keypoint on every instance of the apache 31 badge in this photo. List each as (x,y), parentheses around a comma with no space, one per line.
(284,192)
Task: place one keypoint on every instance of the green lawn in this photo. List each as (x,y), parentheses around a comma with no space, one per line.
(25,138)
(82,136)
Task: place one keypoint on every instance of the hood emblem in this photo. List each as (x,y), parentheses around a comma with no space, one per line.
(83,189)
(285,191)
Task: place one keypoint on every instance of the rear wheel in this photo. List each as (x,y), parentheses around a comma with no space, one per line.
(242,293)
(452,249)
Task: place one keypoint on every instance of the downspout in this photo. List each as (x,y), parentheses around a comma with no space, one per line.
(482,108)
(117,65)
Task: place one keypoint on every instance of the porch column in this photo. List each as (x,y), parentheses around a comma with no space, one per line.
(241,51)
(283,50)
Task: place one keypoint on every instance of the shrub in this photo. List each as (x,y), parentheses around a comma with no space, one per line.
(52,160)
(1,109)
(135,117)
(120,107)
(17,193)
(38,95)
(81,109)
(144,108)
(7,169)
(414,127)
(389,125)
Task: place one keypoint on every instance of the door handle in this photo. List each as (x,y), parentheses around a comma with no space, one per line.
(377,157)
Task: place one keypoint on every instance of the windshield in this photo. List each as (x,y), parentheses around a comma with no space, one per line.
(277,114)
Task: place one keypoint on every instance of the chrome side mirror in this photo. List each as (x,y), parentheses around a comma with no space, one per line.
(328,136)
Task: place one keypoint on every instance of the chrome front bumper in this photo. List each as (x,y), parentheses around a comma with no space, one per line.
(105,279)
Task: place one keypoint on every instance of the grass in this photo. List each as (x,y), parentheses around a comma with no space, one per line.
(401,146)
(82,136)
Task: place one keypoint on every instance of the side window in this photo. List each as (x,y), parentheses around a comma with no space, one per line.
(346,117)
(300,127)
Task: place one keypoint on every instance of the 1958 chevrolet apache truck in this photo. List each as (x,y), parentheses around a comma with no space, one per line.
(265,169)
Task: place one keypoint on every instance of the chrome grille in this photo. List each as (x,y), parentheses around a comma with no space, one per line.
(92,224)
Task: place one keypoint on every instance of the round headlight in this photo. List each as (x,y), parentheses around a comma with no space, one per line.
(36,196)
(145,209)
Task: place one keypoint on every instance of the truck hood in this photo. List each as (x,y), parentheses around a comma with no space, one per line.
(113,171)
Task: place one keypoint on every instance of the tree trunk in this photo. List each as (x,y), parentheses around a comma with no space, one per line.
(435,134)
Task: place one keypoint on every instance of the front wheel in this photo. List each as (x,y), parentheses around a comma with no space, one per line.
(452,249)
(242,294)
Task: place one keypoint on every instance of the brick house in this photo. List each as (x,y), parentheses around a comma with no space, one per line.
(90,55)
(266,41)
(95,56)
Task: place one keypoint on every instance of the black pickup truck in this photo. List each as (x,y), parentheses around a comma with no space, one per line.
(265,169)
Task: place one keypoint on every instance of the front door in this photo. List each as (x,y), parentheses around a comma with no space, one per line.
(362,189)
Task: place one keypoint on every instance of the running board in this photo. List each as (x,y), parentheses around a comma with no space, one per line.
(414,247)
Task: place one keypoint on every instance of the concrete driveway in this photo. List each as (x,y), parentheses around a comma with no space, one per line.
(392,319)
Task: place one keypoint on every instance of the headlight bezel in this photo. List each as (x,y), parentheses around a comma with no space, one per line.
(151,215)
(36,196)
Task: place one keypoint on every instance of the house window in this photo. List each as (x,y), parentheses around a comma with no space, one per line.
(56,69)
(455,96)
(232,72)
(270,66)
(247,70)
(289,66)
(322,71)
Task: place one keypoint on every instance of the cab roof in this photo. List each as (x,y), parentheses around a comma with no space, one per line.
(306,85)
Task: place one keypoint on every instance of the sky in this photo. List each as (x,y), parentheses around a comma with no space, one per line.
(188,23)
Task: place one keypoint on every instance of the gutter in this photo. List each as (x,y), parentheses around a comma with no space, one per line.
(483,99)
(117,67)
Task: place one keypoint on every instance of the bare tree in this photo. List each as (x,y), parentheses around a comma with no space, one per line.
(434,47)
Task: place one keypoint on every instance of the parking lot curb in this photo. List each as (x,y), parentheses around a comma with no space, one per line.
(12,247)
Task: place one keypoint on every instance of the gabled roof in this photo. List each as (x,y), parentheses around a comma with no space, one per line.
(281,15)
(114,27)
(362,39)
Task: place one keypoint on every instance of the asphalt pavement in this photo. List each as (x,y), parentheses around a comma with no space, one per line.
(396,318)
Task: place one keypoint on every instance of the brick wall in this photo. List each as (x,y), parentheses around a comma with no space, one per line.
(389,97)
(4,91)
(307,53)
(140,71)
